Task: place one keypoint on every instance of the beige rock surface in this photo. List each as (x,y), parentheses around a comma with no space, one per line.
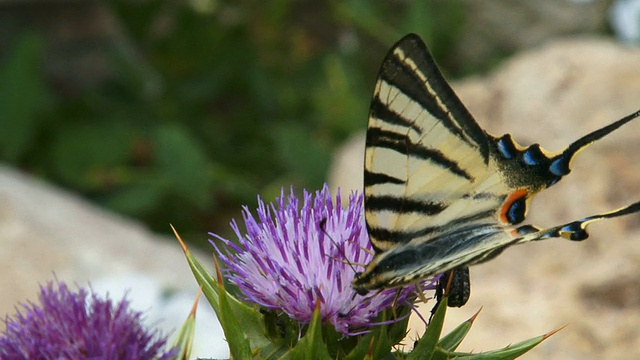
(45,231)
(553,95)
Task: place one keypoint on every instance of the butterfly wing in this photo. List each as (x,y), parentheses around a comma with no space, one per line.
(419,137)
(441,193)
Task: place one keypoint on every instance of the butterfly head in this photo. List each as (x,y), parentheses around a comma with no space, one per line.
(369,280)
(386,270)
(359,288)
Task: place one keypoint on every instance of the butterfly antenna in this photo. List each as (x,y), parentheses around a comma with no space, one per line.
(394,304)
(322,225)
(561,164)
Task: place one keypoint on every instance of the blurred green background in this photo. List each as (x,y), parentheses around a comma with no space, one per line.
(182,111)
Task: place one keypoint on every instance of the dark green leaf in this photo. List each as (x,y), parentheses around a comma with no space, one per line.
(302,152)
(92,155)
(136,199)
(181,161)
(23,95)
(338,102)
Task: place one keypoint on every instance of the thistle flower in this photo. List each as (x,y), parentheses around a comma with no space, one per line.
(290,258)
(296,262)
(78,325)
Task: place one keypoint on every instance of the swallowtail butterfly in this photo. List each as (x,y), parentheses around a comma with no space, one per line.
(442,194)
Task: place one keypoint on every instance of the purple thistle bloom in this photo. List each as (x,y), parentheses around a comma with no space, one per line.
(286,262)
(78,325)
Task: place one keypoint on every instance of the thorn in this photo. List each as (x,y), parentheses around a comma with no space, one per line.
(175,232)
(473,318)
(195,303)
(551,333)
(218,271)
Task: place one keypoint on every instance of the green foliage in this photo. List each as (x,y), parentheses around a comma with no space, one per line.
(206,103)
(23,96)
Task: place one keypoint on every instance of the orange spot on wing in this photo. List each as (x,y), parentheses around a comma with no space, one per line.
(516,195)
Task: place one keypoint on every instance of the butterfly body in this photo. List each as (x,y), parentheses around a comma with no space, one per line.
(441,193)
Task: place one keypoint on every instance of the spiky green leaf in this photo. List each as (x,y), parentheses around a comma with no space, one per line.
(184,341)
(452,340)
(233,312)
(426,346)
(509,352)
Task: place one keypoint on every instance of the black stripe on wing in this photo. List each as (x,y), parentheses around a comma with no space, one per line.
(383,113)
(399,74)
(371,178)
(454,116)
(402,205)
(396,236)
(400,143)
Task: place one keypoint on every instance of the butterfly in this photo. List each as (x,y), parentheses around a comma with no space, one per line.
(441,193)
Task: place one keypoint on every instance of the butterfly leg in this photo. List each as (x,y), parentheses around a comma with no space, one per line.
(395,303)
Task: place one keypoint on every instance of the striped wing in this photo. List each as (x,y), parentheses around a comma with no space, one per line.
(419,137)
(440,192)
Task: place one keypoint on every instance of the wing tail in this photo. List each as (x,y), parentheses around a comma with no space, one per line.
(561,164)
(577,230)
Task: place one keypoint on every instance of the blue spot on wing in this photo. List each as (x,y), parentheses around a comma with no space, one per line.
(575,230)
(506,148)
(533,155)
(568,228)
(528,159)
(515,213)
(559,166)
